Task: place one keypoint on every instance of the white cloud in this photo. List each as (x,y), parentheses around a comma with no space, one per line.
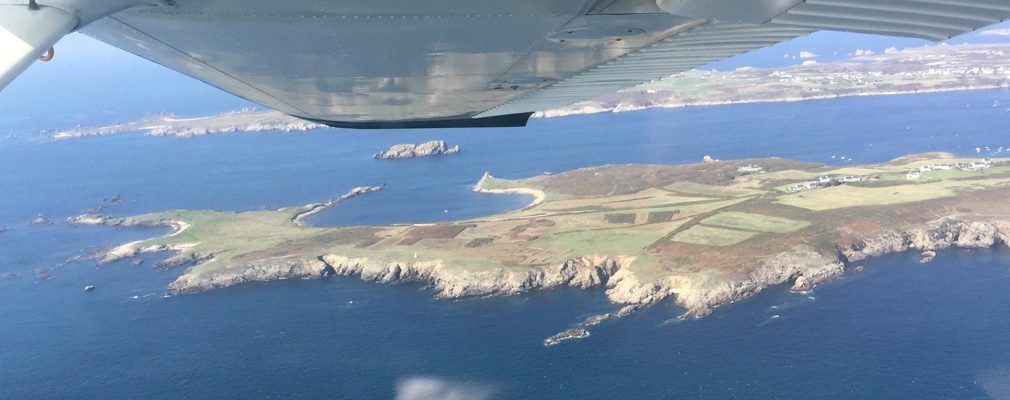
(863,52)
(428,388)
(891,50)
(996,32)
(810,62)
(807,54)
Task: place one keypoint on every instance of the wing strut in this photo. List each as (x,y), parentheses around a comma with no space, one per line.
(27,31)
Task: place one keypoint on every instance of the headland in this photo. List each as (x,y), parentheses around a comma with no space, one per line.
(701,235)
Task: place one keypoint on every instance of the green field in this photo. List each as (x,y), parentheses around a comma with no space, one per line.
(628,241)
(754,222)
(711,190)
(711,236)
(853,196)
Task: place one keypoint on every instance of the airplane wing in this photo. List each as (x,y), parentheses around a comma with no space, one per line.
(444,63)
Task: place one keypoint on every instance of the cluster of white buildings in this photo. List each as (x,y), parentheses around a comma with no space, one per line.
(973,166)
(750,169)
(824,181)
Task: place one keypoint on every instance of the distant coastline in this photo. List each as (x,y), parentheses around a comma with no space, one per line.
(931,69)
(584,109)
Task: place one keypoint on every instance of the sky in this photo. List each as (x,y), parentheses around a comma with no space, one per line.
(89,81)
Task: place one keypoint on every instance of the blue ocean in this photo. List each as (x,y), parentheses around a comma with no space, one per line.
(899,330)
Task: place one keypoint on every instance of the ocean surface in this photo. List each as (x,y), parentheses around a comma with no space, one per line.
(899,330)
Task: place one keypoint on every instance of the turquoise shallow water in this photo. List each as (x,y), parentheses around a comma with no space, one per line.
(898,330)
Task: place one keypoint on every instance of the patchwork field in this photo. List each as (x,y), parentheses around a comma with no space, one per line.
(754,222)
(711,236)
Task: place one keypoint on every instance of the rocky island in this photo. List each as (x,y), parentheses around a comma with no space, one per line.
(701,235)
(408,150)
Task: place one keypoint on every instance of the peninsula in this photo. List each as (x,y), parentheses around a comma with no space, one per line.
(702,235)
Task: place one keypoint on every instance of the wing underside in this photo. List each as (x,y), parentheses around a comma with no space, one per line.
(395,63)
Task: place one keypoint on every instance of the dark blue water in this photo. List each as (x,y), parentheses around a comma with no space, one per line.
(898,330)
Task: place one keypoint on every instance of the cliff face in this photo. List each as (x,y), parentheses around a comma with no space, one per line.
(940,235)
(261,271)
(408,150)
(700,293)
(803,266)
(447,282)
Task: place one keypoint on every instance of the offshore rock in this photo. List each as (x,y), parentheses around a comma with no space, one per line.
(408,150)
(627,310)
(570,334)
(596,319)
(92,219)
(40,220)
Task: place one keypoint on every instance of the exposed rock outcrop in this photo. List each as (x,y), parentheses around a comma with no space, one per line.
(262,271)
(93,219)
(408,150)
(570,334)
(40,220)
(801,284)
(803,266)
(597,319)
(448,283)
(943,234)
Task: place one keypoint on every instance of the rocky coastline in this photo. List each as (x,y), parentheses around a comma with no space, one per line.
(446,282)
(600,228)
(803,269)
